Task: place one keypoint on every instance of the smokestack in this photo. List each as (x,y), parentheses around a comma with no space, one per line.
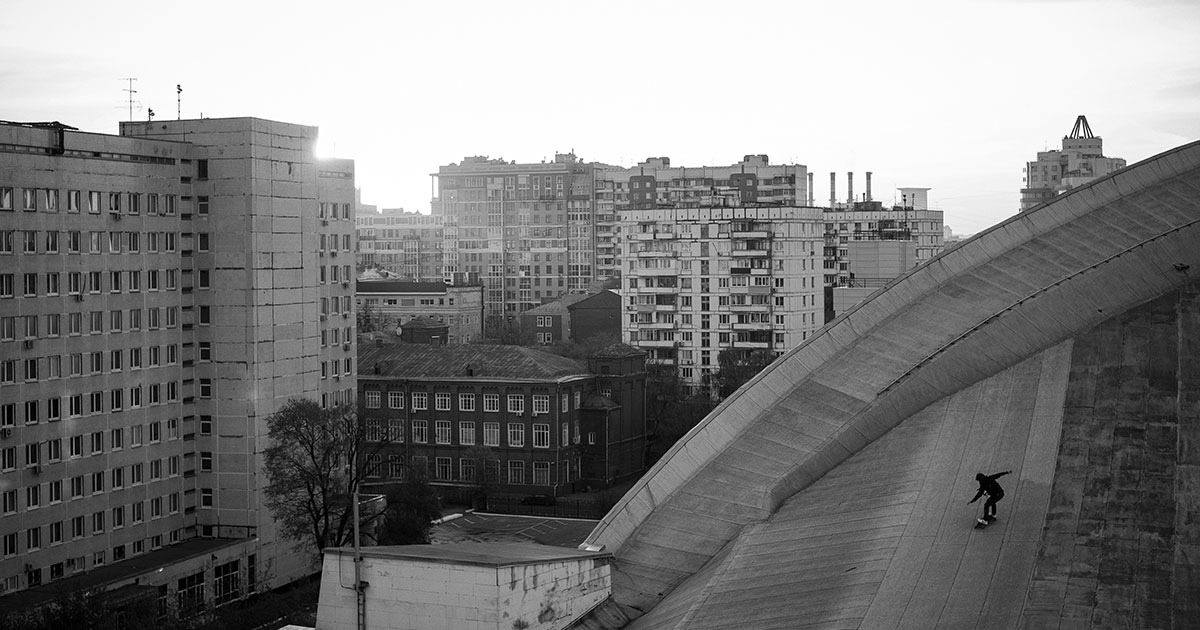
(850,187)
(868,186)
(810,190)
(833,190)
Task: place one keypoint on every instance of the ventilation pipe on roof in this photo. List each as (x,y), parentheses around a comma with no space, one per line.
(868,198)
(832,190)
(850,187)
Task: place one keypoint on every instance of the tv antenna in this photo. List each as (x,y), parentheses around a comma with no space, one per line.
(178,102)
(131,93)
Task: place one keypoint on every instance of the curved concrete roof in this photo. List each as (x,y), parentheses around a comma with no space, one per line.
(997,300)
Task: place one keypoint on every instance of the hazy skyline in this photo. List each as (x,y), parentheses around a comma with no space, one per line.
(953,95)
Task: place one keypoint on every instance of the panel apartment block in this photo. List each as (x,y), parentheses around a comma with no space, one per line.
(167,284)
(702,280)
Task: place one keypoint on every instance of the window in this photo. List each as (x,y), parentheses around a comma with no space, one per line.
(541,436)
(516,472)
(206,497)
(372,397)
(420,401)
(33,496)
(206,388)
(420,430)
(466,469)
(541,404)
(189,594)
(466,402)
(442,431)
(466,433)
(441,401)
(516,403)
(491,402)
(565,406)
(541,473)
(226,583)
(10,501)
(491,434)
(443,470)
(516,434)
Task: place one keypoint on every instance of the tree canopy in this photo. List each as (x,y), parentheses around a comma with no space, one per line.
(313,466)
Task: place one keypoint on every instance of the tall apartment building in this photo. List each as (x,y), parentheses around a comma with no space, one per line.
(159,296)
(531,232)
(698,281)
(406,244)
(1080,161)
(395,302)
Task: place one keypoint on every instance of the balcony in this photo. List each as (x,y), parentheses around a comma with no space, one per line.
(750,234)
(750,308)
(646,343)
(656,325)
(751,326)
(662,290)
(760,253)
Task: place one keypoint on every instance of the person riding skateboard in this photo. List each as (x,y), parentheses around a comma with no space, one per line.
(988,486)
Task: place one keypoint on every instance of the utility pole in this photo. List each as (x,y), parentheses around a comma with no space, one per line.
(131,93)
(178,102)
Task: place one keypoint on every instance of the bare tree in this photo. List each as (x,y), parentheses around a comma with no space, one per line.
(317,459)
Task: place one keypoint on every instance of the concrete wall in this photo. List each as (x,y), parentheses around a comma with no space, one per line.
(423,595)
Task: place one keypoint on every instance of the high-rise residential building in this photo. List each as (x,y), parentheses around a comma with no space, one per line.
(531,232)
(526,231)
(698,281)
(159,297)
(393,303)
(406,245)
(1080,161)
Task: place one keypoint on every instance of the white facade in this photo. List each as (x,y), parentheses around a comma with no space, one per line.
(697,281)
(171,279)
(464,586)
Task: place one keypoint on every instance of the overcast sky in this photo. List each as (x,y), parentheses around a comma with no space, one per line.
(954,95)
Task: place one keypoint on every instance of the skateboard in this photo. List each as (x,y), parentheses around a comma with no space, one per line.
(981,523)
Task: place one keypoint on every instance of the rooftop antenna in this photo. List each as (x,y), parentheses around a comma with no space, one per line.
(1081,129)
(149,114)
(178,102)
(131,93)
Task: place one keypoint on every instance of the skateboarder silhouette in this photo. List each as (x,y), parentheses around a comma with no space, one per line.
(988,486)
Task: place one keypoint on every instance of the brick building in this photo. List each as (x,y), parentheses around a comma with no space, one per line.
(506,417)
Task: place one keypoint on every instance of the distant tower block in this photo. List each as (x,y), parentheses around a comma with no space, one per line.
(850,187)
(915,198)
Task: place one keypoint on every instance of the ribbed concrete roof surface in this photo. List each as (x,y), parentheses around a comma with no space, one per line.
(812,422)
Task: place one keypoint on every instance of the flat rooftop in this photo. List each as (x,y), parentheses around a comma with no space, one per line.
(489,554)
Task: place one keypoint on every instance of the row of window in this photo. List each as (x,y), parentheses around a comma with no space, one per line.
(98,242)
(80,282)
(393,430)
(334,274)
(88,363)
(92,403)
(330,211)
(88,485)
(51,451)
(445,470)
(373,399)
(95,202)
(50,325)
(78,527)
(333,336)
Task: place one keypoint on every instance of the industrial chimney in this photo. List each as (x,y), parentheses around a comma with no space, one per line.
(811,199)
(832,190)
(850,187)
(868,186)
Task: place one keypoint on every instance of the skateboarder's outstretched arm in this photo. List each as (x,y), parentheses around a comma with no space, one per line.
(977,495)
(999,474)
